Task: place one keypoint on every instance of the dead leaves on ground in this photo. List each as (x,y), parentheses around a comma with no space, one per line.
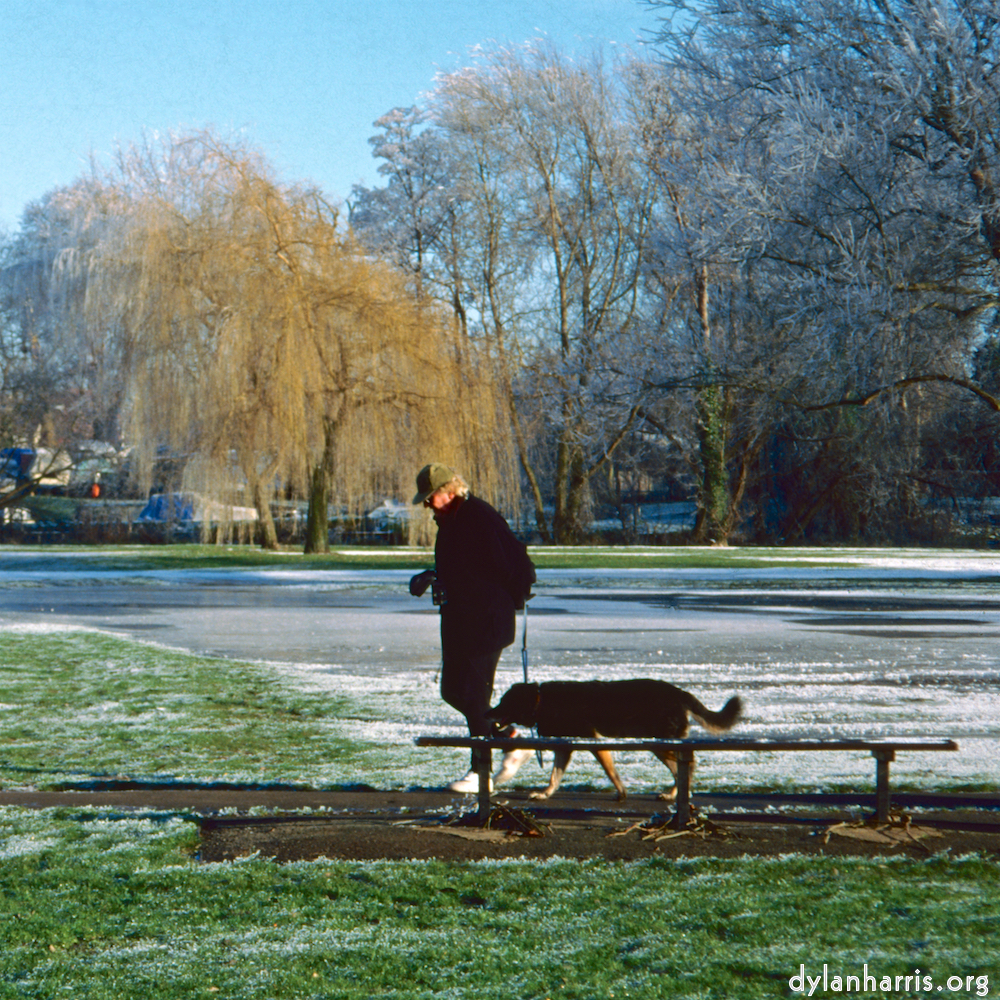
(516,822)
(696,826)
(897,832)
(504,823)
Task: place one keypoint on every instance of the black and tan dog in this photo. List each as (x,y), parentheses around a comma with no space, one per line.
(629,709)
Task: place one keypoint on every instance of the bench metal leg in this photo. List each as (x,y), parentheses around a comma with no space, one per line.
(685,764)
(485,766)
(882,793)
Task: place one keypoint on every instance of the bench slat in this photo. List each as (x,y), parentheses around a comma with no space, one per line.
(557,743)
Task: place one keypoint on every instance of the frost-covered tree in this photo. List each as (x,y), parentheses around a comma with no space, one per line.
(59,379)
(540,221)
(415,219)
(845,187)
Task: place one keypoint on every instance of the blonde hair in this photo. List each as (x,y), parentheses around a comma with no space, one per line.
(457,487)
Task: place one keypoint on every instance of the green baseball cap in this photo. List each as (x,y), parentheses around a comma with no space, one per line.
(431,478)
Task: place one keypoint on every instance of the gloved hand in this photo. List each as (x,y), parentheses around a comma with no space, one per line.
(420,582)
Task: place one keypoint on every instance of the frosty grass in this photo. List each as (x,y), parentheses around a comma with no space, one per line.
(99,904)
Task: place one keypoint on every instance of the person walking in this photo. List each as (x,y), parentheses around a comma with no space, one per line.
(482,575)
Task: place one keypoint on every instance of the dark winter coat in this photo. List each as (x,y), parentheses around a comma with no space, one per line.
(486,576)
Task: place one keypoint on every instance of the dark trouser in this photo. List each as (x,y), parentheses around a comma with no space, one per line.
(467,685)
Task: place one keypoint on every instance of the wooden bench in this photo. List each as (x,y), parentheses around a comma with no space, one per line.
(883,750)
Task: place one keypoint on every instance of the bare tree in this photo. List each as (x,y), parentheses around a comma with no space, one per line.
(415,218)
(541,257)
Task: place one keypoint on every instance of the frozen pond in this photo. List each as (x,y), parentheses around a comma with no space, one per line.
(896,647)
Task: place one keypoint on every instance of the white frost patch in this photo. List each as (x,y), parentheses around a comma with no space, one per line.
(861,700)
(19,846)
(47,628)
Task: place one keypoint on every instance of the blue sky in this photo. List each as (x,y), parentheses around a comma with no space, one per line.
(301,79)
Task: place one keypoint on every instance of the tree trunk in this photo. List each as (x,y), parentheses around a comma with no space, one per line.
(541,522)
(710,413)
(318,520)
(265,520)
(713,501)
(571,494)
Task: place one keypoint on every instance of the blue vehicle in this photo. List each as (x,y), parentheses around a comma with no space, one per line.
(16,463)
(166,507)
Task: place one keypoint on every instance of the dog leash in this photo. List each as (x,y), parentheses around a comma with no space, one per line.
(524,644)
(524,666)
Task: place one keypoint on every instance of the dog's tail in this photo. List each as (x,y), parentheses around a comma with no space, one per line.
(715,722)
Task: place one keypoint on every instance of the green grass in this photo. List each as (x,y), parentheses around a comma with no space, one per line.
(104,906)
(80,707)
(191,556)
(108,905)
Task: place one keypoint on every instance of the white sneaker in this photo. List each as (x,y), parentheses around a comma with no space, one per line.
(469,785)
(510,765)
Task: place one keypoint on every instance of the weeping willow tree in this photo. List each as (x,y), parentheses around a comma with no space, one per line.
(257,339)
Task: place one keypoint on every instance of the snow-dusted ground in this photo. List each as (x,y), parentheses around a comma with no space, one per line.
(841,643)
